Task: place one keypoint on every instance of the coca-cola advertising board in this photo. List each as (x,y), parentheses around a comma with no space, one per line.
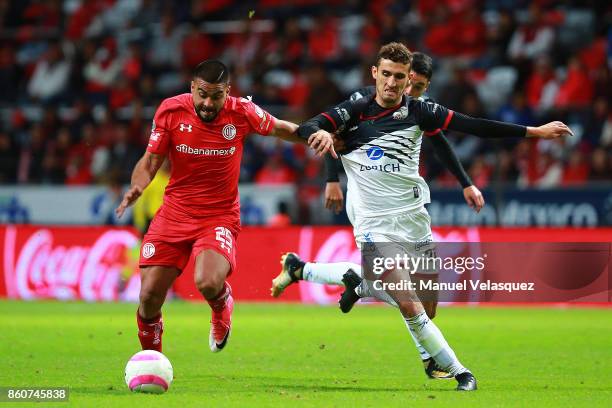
(100,263)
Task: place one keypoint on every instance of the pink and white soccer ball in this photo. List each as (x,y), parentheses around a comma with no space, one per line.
(148,371)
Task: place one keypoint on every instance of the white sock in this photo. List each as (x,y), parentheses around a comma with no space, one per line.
(328,273)
(424,354)
(432,340)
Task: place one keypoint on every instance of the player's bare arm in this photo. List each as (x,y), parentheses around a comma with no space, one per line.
(473,198)
(334,199)
(143,173)
(287,131)
(550,130)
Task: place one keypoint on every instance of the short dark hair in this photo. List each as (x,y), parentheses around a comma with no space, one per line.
(422,64)
(212,71)
(396,52)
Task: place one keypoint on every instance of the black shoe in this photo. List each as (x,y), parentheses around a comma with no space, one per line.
(434,371)
(348,298)
(466,382)
(291,272)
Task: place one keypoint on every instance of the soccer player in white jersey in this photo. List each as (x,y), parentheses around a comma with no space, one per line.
(386,195)
(421,72)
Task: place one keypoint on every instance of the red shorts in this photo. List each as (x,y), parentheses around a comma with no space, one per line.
(171,243)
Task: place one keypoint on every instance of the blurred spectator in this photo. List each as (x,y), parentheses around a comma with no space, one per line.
(10,75)
(196,47)
(541,85)
(102,71)
(50,79)
(32,156)
(533,39)
(577,170)
(281,218)
(600,165)
(275,171)
(577,89)
(166,45)
(9,154)
(323,92)
(323,40)
(517,111)
(480,172)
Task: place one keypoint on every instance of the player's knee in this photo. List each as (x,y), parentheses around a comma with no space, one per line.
(410,309)
(209,286)
(149,296)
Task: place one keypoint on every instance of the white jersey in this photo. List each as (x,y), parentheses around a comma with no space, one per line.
(382,159)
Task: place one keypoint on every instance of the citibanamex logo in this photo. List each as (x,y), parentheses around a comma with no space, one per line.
(44,269)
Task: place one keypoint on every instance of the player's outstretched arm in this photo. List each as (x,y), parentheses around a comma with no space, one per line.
(486,128)
(434,118)
(143,173)
(445,153)
(287,131)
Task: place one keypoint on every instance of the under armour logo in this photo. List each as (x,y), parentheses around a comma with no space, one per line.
(184,127)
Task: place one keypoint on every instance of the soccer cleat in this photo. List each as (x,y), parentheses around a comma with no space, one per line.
(466,382)
(221,325)
(348,298)
(434,371)
(292,267)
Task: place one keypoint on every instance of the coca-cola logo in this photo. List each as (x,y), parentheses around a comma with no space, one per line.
(44,269)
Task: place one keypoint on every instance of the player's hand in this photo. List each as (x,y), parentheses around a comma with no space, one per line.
(339,144)
(550,130)
(129,198)
(322,142)
(473,198)
(334,199)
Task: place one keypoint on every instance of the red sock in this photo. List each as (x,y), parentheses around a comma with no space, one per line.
(218,303)
(150,332)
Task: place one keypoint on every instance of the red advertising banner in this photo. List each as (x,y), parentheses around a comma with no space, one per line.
(100,263)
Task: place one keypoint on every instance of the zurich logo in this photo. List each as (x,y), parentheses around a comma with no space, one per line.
(375,153)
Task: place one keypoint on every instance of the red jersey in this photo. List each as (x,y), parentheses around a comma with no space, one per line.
(205,156)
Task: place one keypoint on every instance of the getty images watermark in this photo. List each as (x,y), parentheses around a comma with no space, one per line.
(496,272)
(427,264)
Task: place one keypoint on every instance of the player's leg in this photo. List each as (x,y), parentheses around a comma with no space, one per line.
(414,229)
(211,271)
(431,339)
(294,269)
(155,282)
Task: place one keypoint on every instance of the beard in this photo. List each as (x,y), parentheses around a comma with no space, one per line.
(207,115)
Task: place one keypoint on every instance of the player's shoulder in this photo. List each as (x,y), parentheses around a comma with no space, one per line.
(362,93)
(238,103)
(244,106)
(176,103)
(417,103)
(426,99)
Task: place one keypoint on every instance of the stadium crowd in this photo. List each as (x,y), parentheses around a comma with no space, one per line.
(81,79)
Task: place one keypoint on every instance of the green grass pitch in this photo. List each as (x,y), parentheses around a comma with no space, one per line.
(293,355)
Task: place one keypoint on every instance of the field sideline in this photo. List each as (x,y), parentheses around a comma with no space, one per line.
(282,354)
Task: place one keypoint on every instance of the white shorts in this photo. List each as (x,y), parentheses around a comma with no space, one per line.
(408,233)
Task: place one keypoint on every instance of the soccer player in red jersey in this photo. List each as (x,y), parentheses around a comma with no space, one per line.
(202,133)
